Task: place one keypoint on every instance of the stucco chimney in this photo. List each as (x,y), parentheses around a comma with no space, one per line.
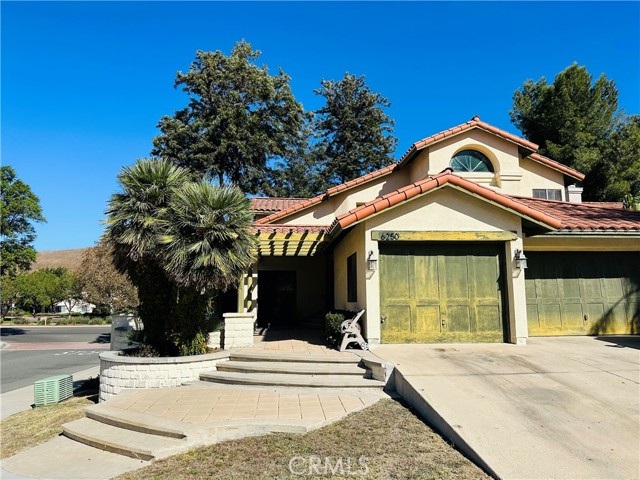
(574,193)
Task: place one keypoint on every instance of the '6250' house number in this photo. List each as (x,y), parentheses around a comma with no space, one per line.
(389,236)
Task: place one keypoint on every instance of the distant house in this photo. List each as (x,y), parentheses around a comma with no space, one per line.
(79,307)
(433,247)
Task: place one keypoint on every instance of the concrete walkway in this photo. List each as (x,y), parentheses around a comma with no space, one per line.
(557,408)
(206,412)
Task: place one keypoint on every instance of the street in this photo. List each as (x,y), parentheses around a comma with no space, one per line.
(33,353)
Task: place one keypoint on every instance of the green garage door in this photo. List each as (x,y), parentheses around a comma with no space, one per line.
(441,293)
(571,293)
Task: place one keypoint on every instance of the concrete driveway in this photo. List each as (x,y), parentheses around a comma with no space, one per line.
(562,407)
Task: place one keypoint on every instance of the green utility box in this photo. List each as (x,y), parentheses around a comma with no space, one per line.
(52,390)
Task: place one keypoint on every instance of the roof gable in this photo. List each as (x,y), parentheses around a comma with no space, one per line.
(528,149)
(310,202)
(426,185)
(280,208)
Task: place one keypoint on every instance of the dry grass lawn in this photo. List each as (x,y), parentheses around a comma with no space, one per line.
(395,442)
(25,430)
(69,259)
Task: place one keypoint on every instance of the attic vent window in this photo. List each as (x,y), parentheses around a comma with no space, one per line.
(471,161)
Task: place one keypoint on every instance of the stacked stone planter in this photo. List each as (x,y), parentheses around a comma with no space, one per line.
(118,372)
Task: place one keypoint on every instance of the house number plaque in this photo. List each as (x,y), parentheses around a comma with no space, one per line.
(389,236)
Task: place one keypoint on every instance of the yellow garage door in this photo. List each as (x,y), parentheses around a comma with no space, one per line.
(441,293)
(576,293)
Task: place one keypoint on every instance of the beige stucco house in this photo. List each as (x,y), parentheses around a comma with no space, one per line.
(433,247)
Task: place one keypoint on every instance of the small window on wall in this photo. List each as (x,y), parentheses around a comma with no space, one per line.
(471,161)
(352,275)
(547,193)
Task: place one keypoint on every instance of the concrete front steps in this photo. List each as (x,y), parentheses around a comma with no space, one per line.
(145,437)
(293,370)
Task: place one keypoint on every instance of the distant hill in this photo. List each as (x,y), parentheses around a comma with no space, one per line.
(69,259)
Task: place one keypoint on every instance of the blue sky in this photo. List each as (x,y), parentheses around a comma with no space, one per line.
(84,84)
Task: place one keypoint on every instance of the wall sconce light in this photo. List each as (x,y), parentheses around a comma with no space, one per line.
(372,263)
(520,259)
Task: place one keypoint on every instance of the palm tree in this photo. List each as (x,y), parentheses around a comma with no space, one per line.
(180,242)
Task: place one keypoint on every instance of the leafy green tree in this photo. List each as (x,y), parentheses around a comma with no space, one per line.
(238,117)
(616,175)
(69,290)
(19,207)
(102,284)
(574,121)
(180,242)
(9,297)
(355,134)
(40,290)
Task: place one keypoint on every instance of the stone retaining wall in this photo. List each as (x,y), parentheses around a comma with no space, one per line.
(118,372)
(238,329)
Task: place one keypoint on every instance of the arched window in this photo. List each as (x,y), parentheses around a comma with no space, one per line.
(471,161)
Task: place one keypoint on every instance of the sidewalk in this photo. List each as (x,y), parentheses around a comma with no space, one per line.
(21,400)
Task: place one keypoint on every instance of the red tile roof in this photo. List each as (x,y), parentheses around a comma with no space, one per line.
(364,179)
(309,202)
(274,204)
(423,186)
(475,122)
(585,216)
(617,205)
(284,207)
(557,166)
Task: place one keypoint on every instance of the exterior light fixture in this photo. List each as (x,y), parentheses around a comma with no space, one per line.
(520,259)
(372,262)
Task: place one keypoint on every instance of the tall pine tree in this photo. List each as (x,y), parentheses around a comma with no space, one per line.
(575,120)
(355,134)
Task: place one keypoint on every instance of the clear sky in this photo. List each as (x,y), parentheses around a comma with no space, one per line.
(84,84)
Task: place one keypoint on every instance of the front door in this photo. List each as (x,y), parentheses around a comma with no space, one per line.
(277,298)
(441,293)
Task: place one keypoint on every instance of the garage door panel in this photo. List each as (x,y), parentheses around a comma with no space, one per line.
(570,287)
(483,270)
(548,287)
(593,288)
(458,318)
(633,315)
(572,316)
(612,288)
(447,286)
(598,285)
(488,319)
(426,277)
(398,286)
(533,317)
(398,318)
(550,316)
(456,276)
(428,320)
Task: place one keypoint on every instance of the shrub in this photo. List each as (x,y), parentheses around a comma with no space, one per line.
(332,323)
(101,311)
